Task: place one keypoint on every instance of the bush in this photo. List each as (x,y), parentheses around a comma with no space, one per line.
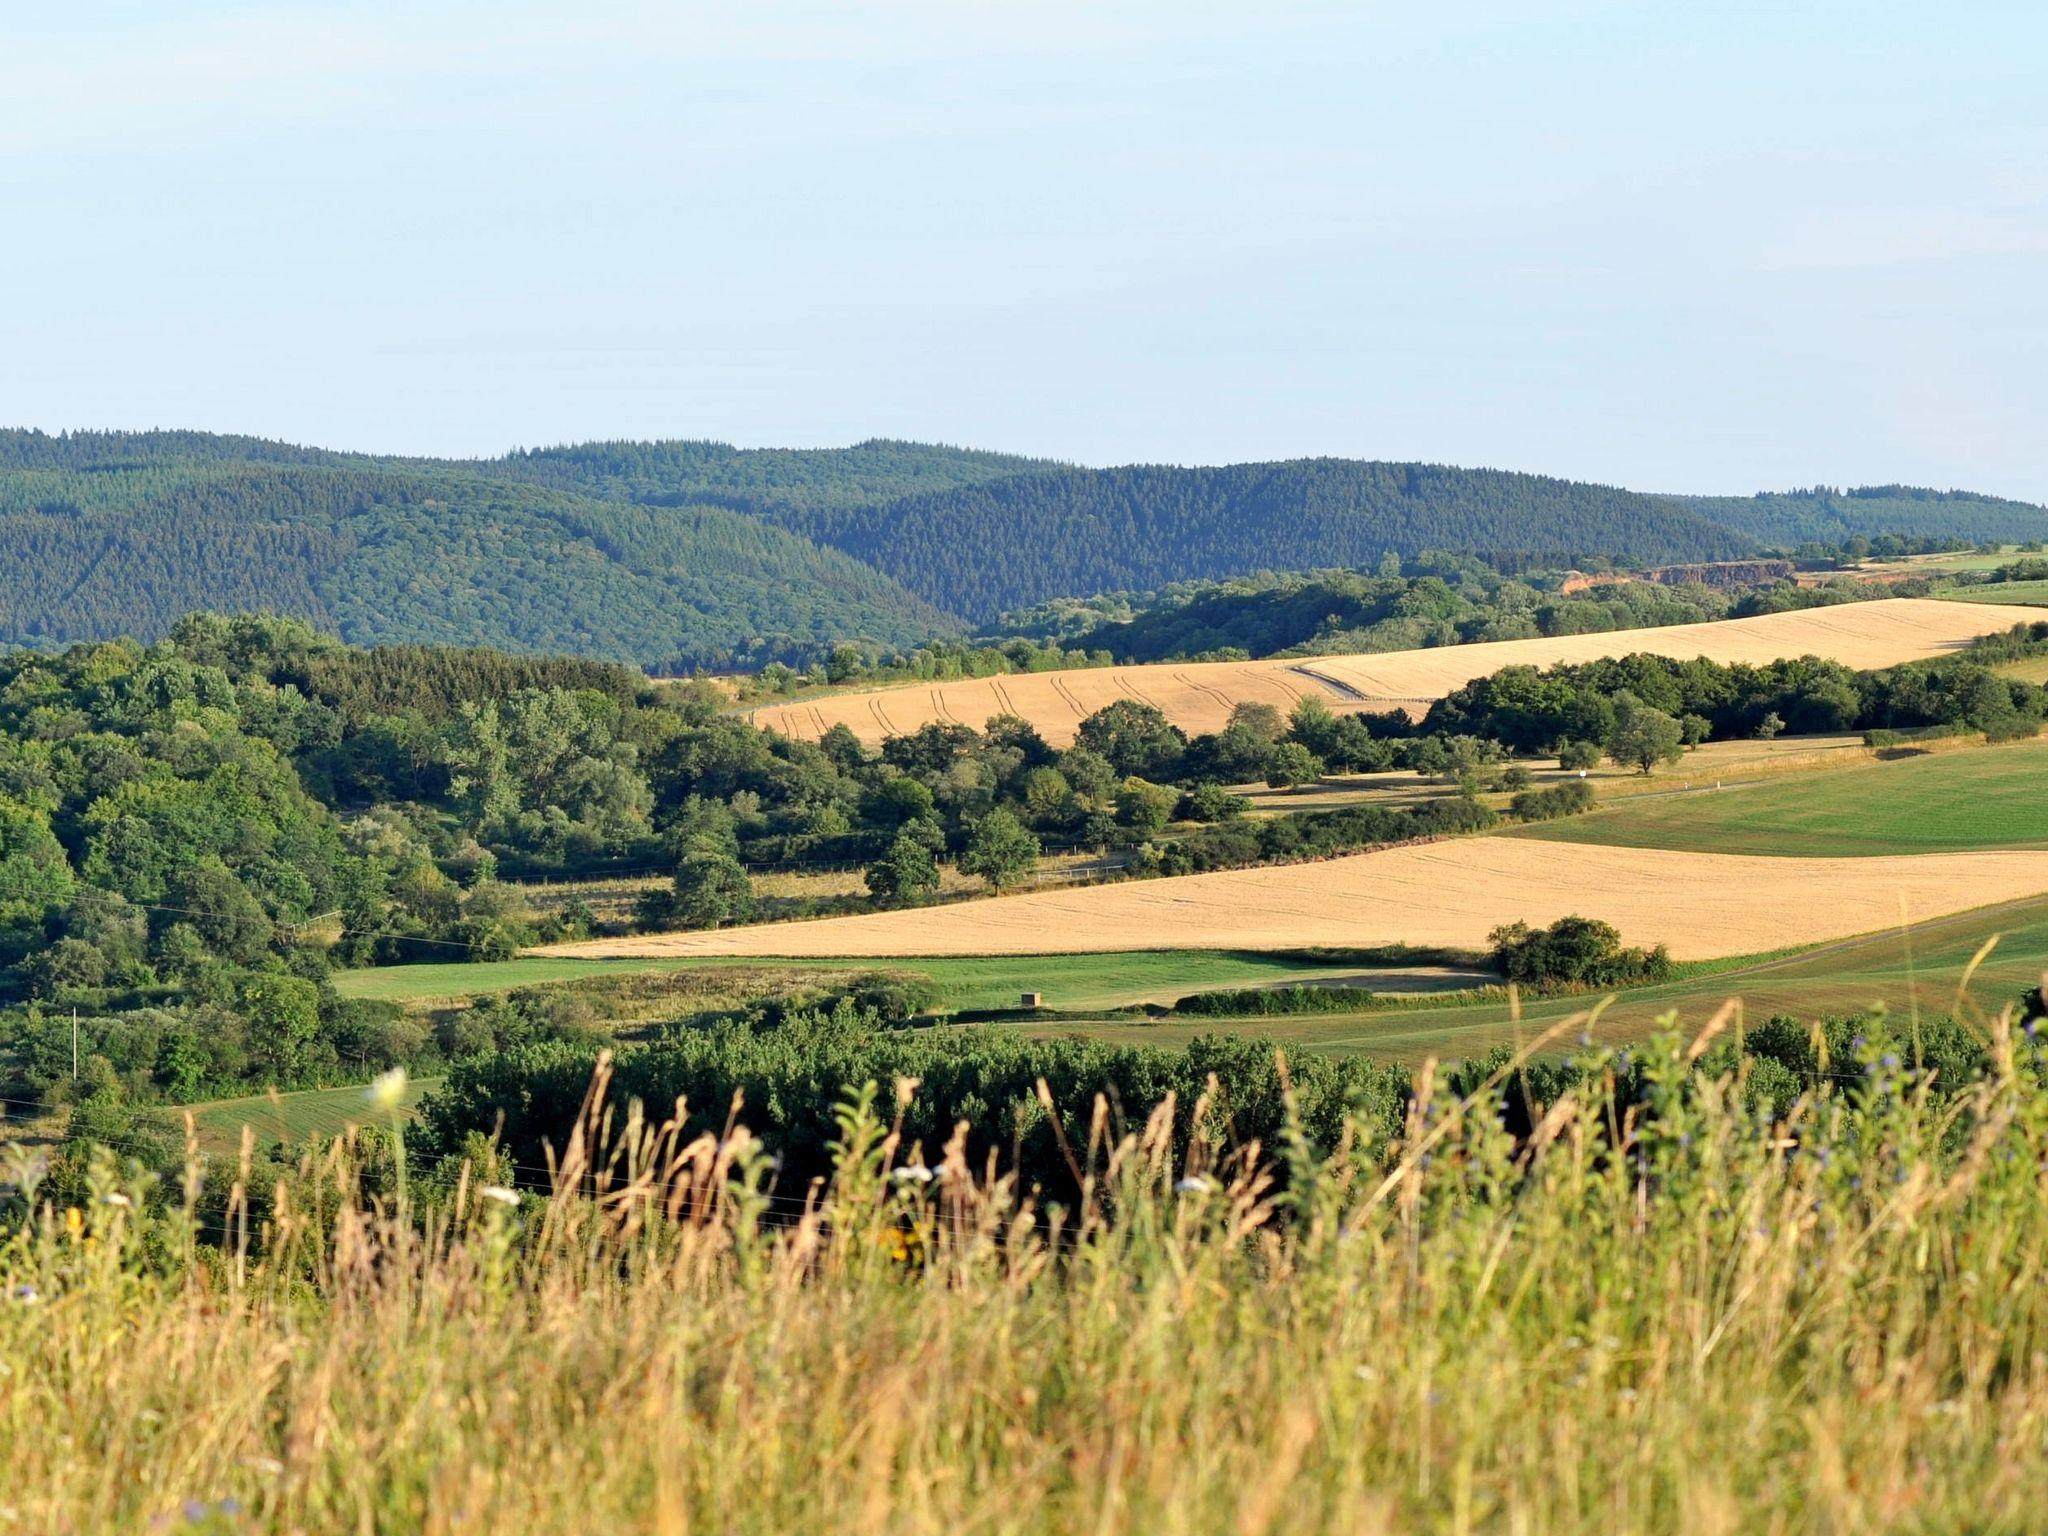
(1572,798)
(1211,803)
(1578,756)
(1575,952)
(1262,1002)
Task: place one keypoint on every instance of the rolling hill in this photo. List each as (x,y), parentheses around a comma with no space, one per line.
(681,554)
(1830,516)
(979,550)
(388,551)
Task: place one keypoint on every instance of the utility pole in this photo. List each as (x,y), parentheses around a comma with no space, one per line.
(74,1044)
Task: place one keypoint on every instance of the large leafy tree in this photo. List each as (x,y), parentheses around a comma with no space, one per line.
(1000,850)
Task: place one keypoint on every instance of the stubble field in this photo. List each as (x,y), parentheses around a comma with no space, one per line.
(1199,697)
(1448,894)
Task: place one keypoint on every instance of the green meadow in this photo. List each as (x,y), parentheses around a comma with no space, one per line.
(1941,802)
(291,1118)
(1067,982)
(1912,973)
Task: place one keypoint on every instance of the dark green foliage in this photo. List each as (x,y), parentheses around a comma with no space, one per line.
(1321,834)
(1211,802)
(1574,952)
(1275,1002)
(1134,739)
(1825,515)
(1531,711)
(113,534)
(980,550)
(792,1077)
(711,890)
(999,849)
(1291,765)
(1645,738)
(1572,798)
(904,875)
(786,481)
(682,554)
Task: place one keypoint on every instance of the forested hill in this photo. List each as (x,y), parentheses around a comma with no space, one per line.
(680,554)
(799,483)
(980,550)
(1829,516)
(124,543)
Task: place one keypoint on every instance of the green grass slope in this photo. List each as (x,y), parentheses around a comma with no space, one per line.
(967,982)
(1943,802)
(293,1118)
(2033,592)
(1913,974)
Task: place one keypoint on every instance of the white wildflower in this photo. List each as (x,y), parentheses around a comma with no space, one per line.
(499,1193)
(1193,1184)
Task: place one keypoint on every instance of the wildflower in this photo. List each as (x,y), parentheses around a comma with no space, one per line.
(498,1193)
(27,1295)
(117,1199)
(74,1223)
(913,1173)
(387,1091)
(1193,1184)
(196,1510)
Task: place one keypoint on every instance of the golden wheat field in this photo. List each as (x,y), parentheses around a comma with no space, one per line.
(1452,893)
(1199,696)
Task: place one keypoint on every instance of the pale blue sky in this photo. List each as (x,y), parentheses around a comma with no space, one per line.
(1690,246)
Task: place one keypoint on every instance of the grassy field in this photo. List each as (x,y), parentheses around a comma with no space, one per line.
(2033,671)
(1712,1321)
(1915,971)
(291,1118)
(2033,593)
(1117,980)
(1713,762)
(1984,797)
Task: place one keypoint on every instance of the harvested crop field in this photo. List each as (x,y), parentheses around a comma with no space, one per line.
(1199,696)
(1448,894)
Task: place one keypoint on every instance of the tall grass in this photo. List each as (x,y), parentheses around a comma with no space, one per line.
(1682,1313)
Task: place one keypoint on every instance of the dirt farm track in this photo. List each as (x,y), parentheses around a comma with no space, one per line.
(1703,905)
(1198,696)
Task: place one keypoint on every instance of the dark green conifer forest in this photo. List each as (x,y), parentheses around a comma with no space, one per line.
(674,556)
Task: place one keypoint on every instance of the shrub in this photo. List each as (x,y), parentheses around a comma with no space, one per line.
(1577,952)
(1577,756)
(1571,798)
